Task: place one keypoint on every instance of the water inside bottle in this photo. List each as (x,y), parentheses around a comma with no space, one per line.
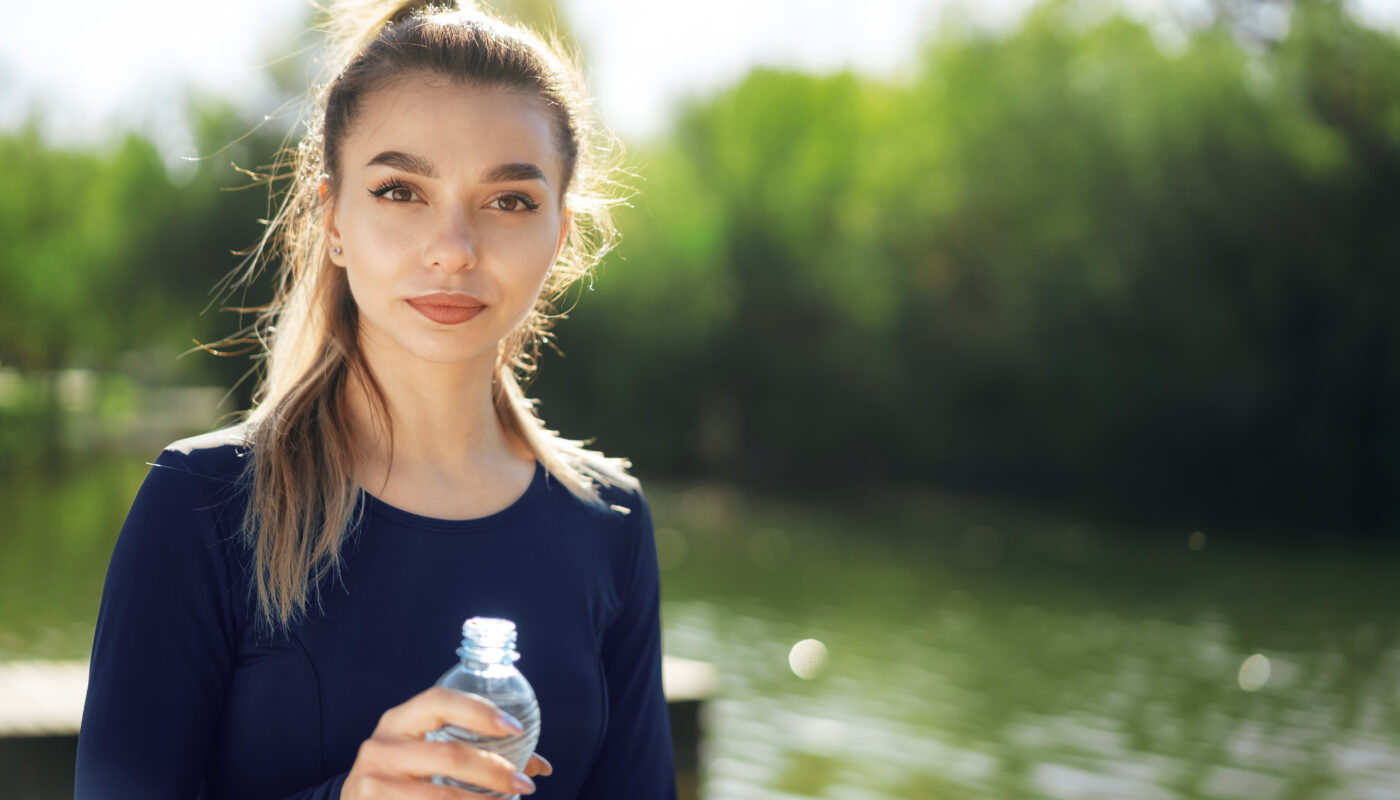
(487,669)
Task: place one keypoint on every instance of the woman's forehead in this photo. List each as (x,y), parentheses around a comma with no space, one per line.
(454,127)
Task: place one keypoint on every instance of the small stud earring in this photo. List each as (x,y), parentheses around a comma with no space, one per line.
(335,251)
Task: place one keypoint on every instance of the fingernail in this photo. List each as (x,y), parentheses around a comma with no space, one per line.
(511,722)
(520,783)
(548,767)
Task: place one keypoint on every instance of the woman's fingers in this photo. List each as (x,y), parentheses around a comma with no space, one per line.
(538,765)
(438,706)
(396,759)
(396,788)
(419,758)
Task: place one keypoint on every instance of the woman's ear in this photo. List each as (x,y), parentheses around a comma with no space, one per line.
(332,230)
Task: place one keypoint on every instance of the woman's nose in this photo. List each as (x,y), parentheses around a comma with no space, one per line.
(453,245)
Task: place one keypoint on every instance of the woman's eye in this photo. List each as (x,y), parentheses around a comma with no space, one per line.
(514,202)
(395,192)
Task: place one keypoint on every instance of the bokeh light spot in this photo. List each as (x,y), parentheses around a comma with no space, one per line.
(1254,673)
(807,658)
(1196,541)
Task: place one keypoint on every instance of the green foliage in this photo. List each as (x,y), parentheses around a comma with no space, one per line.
(1063,261)
(70,239)
(105,251)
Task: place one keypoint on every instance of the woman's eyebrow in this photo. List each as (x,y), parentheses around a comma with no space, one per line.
(501,173)
(406,162)
(517,171)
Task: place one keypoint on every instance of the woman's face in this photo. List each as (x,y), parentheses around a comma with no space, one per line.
(448,217)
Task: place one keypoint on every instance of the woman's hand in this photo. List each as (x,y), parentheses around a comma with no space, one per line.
(394,761)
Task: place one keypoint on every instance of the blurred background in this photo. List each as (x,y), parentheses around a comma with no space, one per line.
(1014,383)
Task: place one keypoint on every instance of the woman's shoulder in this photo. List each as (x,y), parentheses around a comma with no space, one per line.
(193,497)
(596,489)
(623,512)
(622,499)
(600,483)
(613,512)
(216,459)
(207,444)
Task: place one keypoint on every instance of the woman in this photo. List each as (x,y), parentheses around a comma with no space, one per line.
(283,592)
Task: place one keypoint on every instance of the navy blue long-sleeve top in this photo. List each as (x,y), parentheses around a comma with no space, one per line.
(189,696)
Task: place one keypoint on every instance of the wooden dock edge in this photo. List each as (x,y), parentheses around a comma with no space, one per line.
(41,709)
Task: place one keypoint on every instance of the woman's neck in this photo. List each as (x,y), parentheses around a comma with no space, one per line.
(449,454)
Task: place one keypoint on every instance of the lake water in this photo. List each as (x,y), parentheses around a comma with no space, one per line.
(970,650)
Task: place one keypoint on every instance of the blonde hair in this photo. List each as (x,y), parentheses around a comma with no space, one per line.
(303,499)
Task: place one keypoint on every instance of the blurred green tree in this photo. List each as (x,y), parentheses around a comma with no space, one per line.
(1065,262)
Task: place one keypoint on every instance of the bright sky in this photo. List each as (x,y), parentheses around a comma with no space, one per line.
(99,65)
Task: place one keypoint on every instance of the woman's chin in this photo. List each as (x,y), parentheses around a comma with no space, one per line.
(435,348)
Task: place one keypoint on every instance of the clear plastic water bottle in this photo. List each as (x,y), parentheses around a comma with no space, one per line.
(488,669)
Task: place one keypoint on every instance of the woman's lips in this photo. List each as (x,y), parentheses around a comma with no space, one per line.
(447,309)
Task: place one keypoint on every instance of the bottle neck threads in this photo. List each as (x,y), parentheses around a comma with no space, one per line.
(488,640)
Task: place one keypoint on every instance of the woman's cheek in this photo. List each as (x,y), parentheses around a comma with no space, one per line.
(382,244)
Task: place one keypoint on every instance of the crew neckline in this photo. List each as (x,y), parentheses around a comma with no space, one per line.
(538,484)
